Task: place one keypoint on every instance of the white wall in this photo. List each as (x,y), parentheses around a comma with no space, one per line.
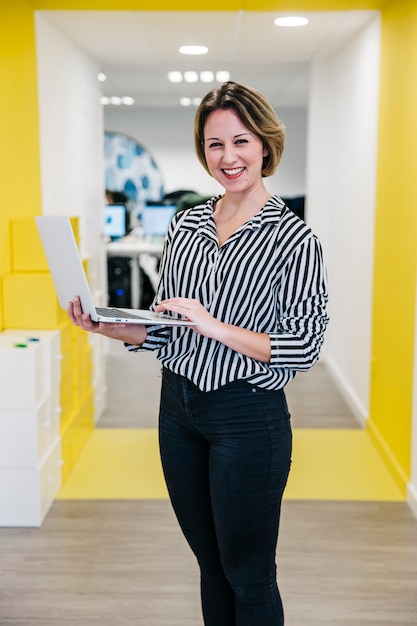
(71,132)
(341,179)
(168,135)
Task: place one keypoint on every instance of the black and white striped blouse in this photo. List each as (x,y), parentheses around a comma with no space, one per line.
(269,277)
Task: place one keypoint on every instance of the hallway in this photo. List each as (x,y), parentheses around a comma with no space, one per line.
(106,555)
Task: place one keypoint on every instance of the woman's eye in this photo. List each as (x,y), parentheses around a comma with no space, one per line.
(241,141)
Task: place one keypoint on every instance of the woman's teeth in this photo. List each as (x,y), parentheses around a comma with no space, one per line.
(235,171)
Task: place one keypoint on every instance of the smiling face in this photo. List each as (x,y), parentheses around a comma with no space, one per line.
(233,153)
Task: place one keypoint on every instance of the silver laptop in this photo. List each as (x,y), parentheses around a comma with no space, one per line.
(69,278)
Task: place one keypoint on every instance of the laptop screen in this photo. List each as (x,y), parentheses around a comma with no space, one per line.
(156,219)
(115,221)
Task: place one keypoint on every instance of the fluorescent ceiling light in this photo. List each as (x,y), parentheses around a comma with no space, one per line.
(117,101)
(206,76)
(291,21)
(222,76)
(187,102)
(193,50)
(191,77)
(175,77)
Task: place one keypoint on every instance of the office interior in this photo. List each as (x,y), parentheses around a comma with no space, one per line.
(358,179)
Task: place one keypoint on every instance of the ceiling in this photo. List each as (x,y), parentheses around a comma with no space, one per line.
(136,49)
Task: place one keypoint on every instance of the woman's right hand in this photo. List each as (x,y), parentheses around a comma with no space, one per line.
(134,334)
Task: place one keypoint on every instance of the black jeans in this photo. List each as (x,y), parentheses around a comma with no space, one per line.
(226,456)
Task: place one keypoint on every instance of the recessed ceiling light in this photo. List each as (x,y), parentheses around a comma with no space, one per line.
(115,100)
(185,102)
(191,77)
(101,77)
(175,77)
(193,50)
(128,100)
(105,100)
(291,21)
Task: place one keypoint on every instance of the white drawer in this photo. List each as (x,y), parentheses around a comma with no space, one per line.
(48,343)
(27,434)
(26,494)
(22,381)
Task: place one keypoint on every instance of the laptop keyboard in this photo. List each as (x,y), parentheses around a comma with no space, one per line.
(106,312)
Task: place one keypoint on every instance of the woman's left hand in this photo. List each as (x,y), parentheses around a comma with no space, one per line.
(193,311)
(250,343)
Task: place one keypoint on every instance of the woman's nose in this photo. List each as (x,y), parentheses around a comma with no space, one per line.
(229,154)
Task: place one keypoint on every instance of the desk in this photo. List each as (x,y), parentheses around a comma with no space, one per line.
(137,249)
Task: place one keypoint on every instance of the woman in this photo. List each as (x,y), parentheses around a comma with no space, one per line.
(249,274)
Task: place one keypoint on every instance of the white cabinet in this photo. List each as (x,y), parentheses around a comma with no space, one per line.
(30,444)
(27,493)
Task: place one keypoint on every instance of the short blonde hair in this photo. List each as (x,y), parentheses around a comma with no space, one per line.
(256,114)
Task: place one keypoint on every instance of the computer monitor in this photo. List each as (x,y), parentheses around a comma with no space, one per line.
(156,219)
(115,221)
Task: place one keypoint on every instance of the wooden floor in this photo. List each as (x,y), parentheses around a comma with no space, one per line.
(125,562)
(112,562)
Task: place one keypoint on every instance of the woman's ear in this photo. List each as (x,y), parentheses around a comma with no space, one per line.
(265,152)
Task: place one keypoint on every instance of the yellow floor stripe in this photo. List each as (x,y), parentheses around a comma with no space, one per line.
(117,464)
(339,465)
(327,465)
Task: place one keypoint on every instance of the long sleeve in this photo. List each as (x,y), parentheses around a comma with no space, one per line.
(302,314)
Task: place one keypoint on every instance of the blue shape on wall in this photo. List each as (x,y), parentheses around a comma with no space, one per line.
(129,167)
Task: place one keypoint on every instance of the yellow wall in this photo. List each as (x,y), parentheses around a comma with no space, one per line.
(19,153)
(396,239)
(396,211)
